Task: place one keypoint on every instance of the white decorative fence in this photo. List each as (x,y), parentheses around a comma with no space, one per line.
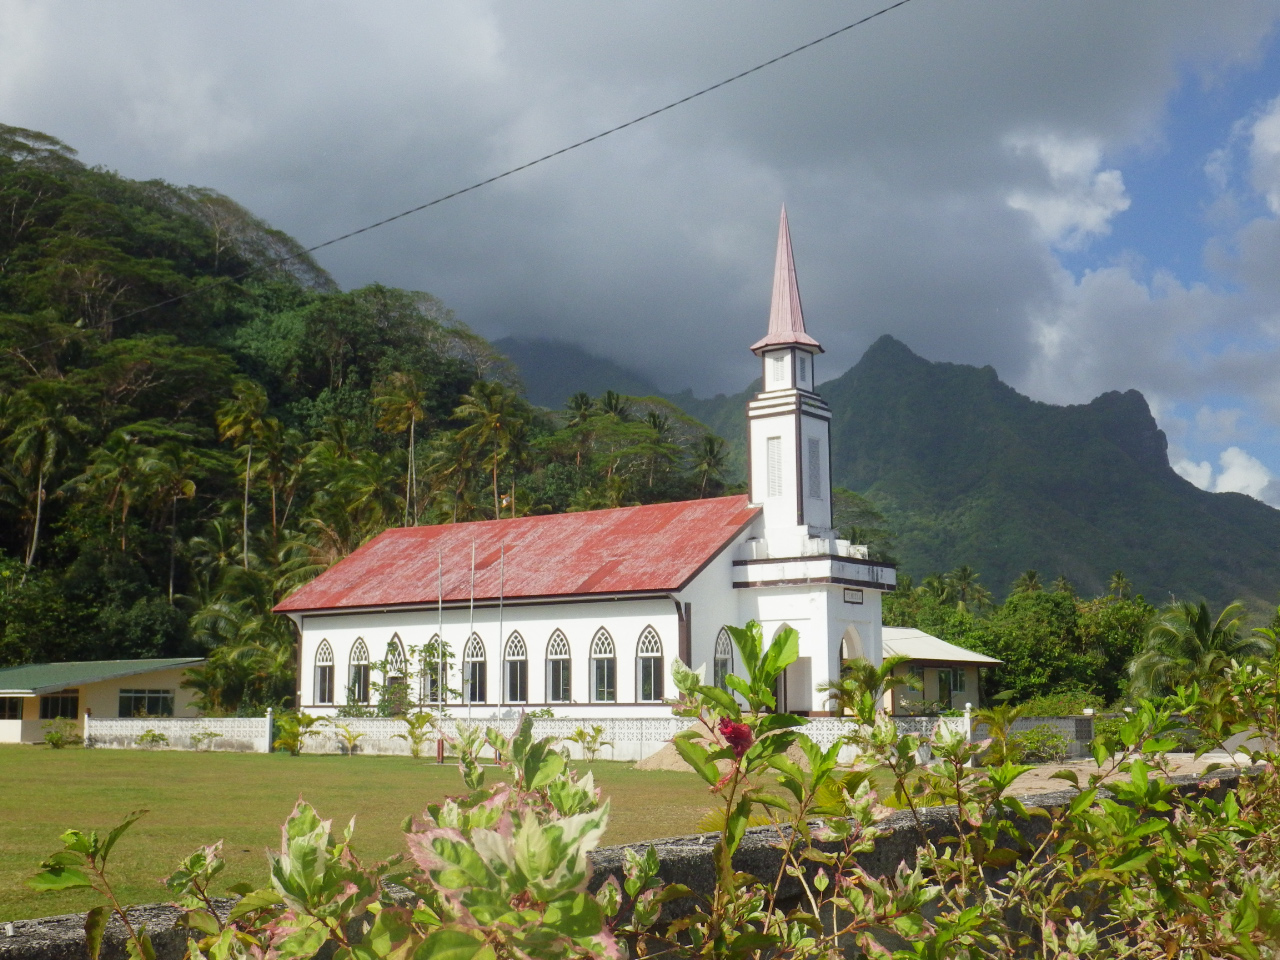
(624,738)
(240,734)
(628,739)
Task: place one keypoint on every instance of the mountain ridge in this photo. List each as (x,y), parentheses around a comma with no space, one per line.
(969,471)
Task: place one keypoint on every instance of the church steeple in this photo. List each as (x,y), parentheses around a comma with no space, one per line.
(788,423)
(786,318)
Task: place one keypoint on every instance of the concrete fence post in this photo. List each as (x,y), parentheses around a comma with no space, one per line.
(88,737)
(270,732)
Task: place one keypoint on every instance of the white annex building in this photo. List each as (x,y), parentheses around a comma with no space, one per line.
(585,612)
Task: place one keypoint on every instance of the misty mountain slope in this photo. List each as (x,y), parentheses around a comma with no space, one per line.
(970,471)
(553,371)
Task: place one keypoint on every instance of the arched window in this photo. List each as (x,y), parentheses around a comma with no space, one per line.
(358,675)
(323,692)
(473,670)
(649,665)
(428,684)
(723,662)
(604,668)
(558,669)
(396,687)
(517,658)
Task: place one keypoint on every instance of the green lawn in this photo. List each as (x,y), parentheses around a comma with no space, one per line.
(197,798)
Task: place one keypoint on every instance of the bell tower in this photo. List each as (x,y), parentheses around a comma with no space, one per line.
(788,424)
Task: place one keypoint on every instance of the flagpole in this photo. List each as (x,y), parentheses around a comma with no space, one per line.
(440,677)
(471,621)
(502,577)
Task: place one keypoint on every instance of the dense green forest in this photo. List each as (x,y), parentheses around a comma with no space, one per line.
(190,426)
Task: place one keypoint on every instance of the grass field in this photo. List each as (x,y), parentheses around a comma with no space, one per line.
(197,798)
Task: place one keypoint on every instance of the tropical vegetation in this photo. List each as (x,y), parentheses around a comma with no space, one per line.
(195,419)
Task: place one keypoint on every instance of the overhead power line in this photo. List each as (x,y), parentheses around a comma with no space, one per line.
(496,177)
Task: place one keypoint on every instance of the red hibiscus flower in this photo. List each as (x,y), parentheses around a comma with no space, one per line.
(738,735)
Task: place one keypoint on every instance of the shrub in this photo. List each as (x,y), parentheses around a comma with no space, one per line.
(202,737)
(292,730)
(1063,703)
(422,727)
(1040,744)
(62,733)
(152,738)
(591,741)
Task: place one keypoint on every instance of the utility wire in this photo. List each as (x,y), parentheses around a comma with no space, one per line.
(495,178)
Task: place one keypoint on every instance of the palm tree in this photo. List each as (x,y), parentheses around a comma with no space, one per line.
(963,587)
(491,412)
(709,460)
(241,419)
(1120,586)
(42,432)
(1028,582)
(615,405)
(403,404)
(117,473)
(1063,585)
(169,477)
(1186,645)
(862,685)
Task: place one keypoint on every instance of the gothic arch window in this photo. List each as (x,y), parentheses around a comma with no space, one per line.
(517,670)
(323,692)
(559,669)
(649,665)
(394,674)
(358,674)
(604,668)
(723,661)
(474,673)
(428,682)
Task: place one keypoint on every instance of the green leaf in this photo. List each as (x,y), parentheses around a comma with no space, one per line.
(695,755)
(201,920)
(95,925)
(449,945)
(255,900)
(737,823)
(118,832)
(577,915)
(141,948)
(721,699)
(59,878)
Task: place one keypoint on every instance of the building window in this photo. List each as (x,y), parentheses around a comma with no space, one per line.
(146,703)
(517,670)
(815,468)
(957,680)
(394,667)
(324,673)
(773,448)
(802,366)
(558,669)
(474,673)
(649,665)
(429,680)
(723,662)
(358,674)
(64,706)
(604,668)
(10,708)
(779,368)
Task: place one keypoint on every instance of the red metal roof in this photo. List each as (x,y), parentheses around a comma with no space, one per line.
(657,548)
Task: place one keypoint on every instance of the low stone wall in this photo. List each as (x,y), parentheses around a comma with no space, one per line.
(684,860)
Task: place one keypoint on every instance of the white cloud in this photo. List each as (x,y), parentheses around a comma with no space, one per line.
(1219,426)
(1081,199)
(1201,474)
(1241,473)
(1264,155)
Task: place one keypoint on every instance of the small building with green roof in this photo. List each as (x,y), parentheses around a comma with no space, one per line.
(33,694)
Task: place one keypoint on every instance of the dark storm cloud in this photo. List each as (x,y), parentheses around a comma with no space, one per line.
(897,149)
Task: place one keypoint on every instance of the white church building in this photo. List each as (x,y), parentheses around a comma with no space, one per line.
(585,613)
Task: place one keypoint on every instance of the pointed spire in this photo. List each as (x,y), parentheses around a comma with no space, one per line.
(786,320)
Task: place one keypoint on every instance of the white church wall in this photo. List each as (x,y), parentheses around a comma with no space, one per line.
(780,507)
(624,621)
(715,603)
